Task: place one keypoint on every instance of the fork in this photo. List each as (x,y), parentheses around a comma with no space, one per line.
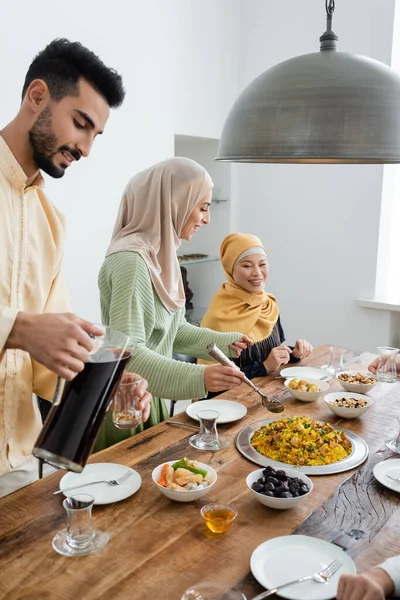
(393,478)
(271,403)
(118,481)
(321,577)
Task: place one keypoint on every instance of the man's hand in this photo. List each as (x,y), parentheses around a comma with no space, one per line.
(60,342)
(372,585)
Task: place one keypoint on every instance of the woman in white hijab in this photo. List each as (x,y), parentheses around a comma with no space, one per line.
(142,291)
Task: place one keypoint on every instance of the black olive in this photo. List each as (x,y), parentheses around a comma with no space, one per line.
(257,487)
(267,471)
(269,487)
(281,475)
(272,480)
(280,490)
(303,490)
(284,485)
(294,487)
(286,495)
(269,494)
(261,480)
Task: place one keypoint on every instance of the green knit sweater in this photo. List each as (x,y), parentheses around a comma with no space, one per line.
(130,304)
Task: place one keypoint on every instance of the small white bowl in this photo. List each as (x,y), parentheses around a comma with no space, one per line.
(189,495)
(308,396)
(358,388)
(343,411)
(278,503)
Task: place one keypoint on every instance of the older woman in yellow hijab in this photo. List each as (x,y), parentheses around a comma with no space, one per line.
(242,304)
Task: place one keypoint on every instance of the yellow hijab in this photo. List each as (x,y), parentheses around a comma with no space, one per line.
(235,309)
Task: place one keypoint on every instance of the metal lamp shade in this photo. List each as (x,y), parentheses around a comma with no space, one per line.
(324,107)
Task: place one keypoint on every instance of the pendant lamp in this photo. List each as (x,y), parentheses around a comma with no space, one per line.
(323,107)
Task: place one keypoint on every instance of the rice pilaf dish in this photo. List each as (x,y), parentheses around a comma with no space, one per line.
(301,441)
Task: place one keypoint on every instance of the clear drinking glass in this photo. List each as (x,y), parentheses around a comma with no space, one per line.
(126,411)
(80,537)
(218,517)
(394,443)
(212,590)
(386,371)
(208,438)
(336,357)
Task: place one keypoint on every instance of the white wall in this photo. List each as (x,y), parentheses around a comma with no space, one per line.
(183,63)
(177,80)
(319,222)
(205,278)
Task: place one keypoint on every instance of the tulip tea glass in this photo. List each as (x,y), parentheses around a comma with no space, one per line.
(394,443)
(212,590)
(80,537)
(126,411)
(208,438)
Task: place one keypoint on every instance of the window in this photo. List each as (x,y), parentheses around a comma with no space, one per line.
(387,285)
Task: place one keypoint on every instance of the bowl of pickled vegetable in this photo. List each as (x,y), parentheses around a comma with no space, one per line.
(278,488)
(184,480)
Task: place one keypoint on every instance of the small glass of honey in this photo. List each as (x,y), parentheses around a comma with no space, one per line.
(218,517)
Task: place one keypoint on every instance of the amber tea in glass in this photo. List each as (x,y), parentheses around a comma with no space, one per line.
(218,517)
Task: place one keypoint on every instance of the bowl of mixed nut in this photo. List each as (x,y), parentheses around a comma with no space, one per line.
(348,405)
(354,381)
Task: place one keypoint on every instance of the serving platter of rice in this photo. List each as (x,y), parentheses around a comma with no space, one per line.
(314,447)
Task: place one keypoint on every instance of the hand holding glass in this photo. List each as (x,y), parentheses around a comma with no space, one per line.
(386,370)
(126,411)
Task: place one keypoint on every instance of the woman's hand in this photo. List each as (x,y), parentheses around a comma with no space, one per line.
(277,357)
(241,345)
(218,378)
(302,349)
(372,585)
(141,392)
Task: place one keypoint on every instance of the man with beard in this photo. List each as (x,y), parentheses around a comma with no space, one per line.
(66,100)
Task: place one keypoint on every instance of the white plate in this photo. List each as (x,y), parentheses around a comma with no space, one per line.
(228,410)
(103,493)
(304,372)
(289,557)
(388,467)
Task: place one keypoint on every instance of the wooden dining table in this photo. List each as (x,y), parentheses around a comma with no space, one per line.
(159,547)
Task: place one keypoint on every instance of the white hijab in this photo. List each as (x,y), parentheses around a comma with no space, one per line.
(154,209)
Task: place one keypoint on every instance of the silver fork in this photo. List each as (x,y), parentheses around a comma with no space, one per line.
(118,481)
(321,577)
